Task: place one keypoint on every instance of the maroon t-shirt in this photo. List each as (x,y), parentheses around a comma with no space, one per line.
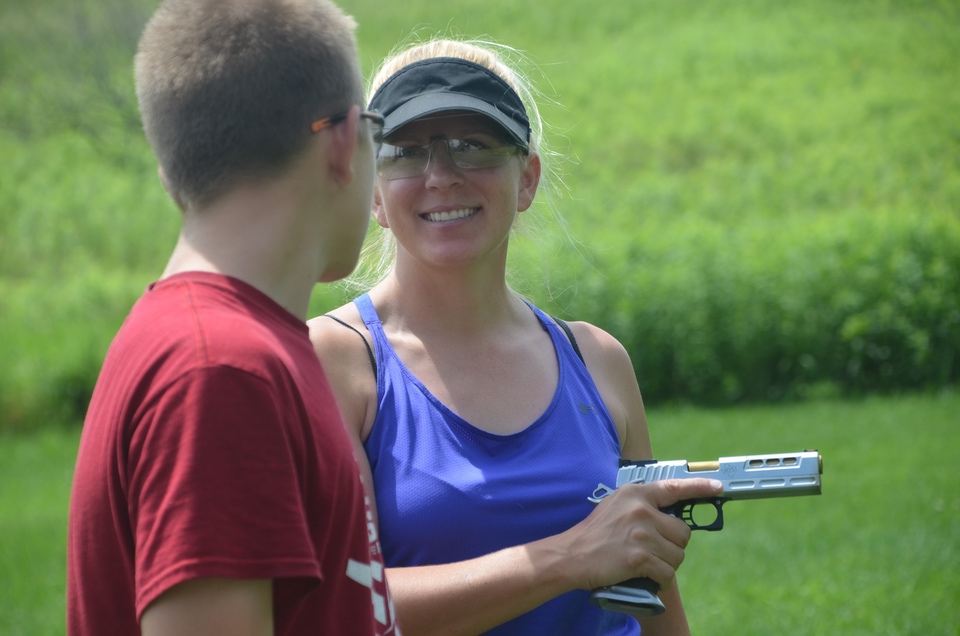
(213,447)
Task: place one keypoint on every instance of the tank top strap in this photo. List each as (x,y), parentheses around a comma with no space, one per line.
(381,346)
(368,313)
(562,338)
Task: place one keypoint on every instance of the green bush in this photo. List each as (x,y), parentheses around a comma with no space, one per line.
(768,310)
(54,344)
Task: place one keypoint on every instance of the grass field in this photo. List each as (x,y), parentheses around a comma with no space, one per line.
(877,554)
(805,153)
(35,476)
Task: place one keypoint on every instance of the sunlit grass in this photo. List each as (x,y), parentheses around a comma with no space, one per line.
(35,473)
(876,553)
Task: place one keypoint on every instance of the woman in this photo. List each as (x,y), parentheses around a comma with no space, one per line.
(484,426)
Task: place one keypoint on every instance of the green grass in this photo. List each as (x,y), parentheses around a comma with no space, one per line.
(877,553)
(35,473)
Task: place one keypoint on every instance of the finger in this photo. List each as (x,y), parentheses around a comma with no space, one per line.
(670,491)
(674,530)
(660,572)
(655,557)
(635,505)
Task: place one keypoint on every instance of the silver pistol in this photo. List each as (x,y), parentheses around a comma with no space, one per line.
(743,477)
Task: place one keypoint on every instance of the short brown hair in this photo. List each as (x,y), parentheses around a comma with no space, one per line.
(228,89)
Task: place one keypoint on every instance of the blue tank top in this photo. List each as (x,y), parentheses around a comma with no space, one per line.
(447,491)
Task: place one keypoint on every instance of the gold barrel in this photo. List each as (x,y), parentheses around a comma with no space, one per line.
(702,467)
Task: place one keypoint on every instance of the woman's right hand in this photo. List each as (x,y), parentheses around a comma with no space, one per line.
(627,536)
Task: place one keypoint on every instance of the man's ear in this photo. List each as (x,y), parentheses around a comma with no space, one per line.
(529,181)
(379,214)
(341,144)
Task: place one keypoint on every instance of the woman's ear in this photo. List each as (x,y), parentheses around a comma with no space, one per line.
(529,181)
(378,212)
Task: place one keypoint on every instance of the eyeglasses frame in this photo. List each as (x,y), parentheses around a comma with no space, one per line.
(515,150)
(376,121)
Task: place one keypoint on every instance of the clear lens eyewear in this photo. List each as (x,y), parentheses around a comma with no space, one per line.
(401,162)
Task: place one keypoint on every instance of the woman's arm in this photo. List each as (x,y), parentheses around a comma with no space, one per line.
(612,371)
(626,536)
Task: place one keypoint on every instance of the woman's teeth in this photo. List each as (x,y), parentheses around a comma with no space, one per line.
(452,215)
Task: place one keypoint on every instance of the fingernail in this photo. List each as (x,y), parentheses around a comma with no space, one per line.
(717,485)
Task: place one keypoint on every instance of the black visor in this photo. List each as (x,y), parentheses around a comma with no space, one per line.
(444,84)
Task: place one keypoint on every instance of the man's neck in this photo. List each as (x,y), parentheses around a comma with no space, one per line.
(256,237)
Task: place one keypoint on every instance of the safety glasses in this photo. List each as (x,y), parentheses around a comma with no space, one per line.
(402,162)
(375,119)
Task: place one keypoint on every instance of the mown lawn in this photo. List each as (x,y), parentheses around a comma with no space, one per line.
(877,553)
(35,476)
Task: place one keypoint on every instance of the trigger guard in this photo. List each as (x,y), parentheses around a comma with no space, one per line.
(686,513)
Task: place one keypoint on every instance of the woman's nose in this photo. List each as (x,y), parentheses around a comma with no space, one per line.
(440,163)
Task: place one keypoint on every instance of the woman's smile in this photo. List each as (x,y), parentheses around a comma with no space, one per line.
(451,215)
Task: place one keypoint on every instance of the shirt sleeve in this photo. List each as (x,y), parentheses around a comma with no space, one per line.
(214,485)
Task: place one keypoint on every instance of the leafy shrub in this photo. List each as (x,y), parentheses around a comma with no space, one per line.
(52,345)
(767,311)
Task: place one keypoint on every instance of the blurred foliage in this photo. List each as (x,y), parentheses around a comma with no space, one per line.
(764,197)
(790,308)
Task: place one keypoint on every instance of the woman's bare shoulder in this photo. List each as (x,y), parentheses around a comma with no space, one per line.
(345,349)
(337,328)
(599,346)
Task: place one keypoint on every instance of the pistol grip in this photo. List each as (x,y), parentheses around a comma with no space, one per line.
(636,597)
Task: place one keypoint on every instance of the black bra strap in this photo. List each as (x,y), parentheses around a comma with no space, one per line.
(573,341)
(373,359)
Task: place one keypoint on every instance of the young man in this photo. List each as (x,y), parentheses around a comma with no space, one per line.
(216,490)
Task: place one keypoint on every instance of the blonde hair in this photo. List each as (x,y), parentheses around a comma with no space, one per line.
(510,64)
